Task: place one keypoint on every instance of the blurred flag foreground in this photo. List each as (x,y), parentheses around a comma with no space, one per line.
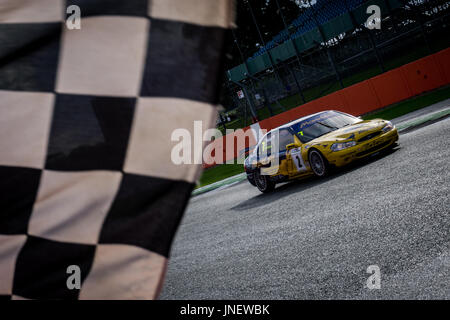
(88,191)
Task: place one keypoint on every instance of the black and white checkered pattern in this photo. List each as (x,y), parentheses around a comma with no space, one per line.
(86,118)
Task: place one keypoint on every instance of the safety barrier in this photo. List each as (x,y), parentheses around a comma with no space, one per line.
(393,86)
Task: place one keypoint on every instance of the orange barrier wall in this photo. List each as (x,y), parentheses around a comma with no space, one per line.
(219,148)
(409,80)
(423,75)
(391,87)
(443,60)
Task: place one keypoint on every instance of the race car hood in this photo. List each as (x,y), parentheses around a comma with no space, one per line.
(352,132)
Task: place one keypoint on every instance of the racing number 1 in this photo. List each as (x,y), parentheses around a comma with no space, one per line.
(298,161)
(296,155)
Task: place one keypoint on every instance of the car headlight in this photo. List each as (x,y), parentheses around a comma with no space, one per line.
(343,145)
(388,127)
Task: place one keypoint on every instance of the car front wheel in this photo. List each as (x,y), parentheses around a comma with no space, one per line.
(319,164)
(251,179)
(263,183)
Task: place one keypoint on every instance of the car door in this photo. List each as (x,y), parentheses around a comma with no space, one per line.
(295,163)
(285,137)
(267,155)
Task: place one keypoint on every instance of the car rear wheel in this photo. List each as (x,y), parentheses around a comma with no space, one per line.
(263,183)
(319,164)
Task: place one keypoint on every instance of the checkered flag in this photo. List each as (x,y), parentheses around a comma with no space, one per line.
(86,116)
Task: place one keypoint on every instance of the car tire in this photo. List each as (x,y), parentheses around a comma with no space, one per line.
(252,179)
(263,183)
(319,165)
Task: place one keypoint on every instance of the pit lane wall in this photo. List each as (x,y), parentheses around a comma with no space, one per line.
(393,86)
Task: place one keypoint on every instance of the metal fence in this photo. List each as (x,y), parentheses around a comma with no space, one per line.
(341,53)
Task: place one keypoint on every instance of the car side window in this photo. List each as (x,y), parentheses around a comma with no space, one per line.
(286,138)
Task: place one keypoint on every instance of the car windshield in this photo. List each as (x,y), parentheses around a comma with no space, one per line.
(323,123)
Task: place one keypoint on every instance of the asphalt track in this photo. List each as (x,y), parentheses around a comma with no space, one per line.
(314,239)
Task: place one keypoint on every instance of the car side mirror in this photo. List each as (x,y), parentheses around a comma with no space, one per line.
(291,146)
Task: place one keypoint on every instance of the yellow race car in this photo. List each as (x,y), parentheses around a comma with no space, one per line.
(312,144)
